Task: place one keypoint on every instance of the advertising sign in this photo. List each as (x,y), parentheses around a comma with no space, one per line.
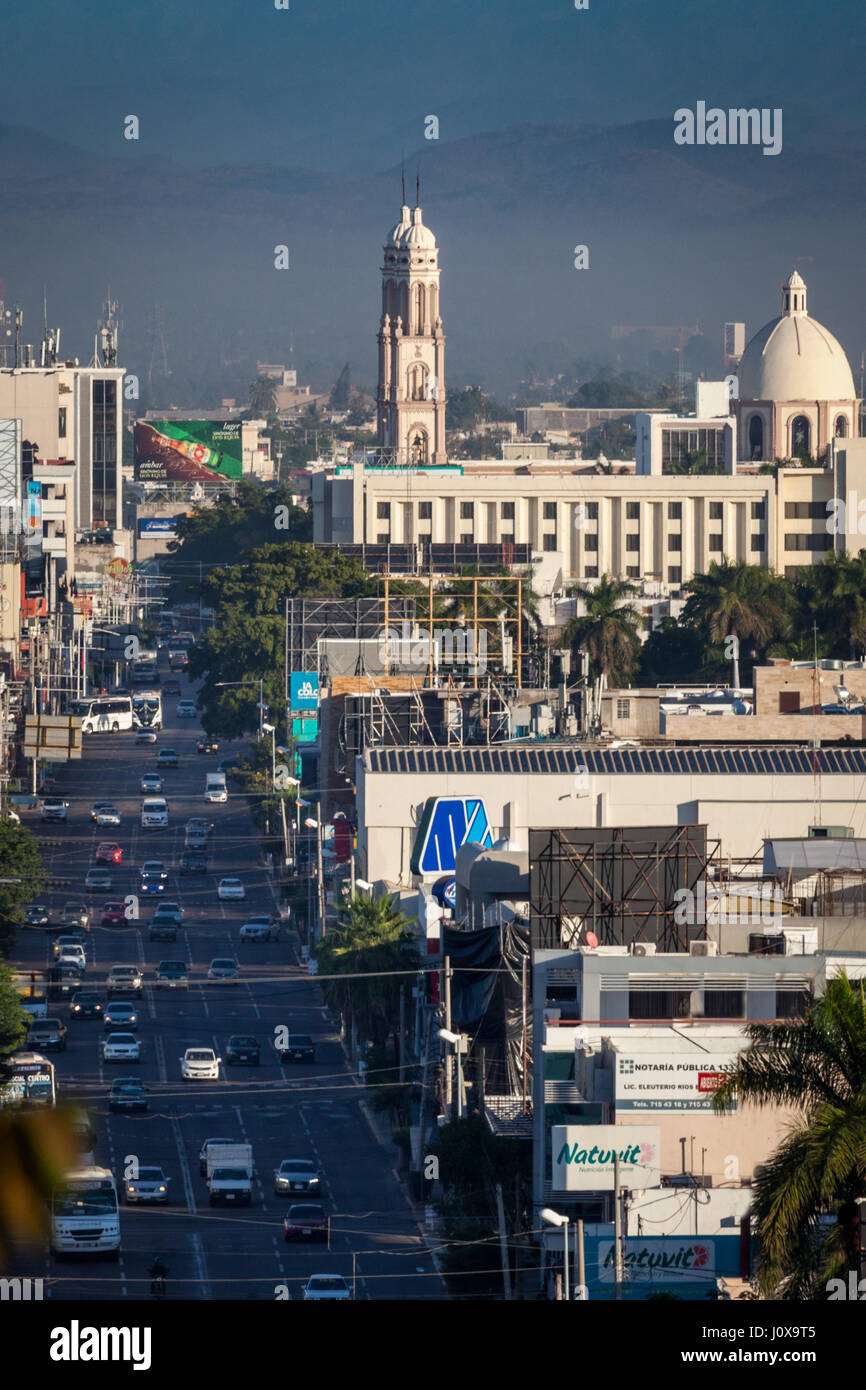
(447,823)
(305,730)
(187,451)
(693,1261)
(651,1083)
(304,690)
(158,526)
(583,1157)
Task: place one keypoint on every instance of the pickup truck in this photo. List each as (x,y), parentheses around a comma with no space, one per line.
(230,1174)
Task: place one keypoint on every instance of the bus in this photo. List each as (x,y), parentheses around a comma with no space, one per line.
(84,1213)
(32,987)
(104,713)
(27,1078)
(147,709)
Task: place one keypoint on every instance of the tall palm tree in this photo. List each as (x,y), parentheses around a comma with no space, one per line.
(263,395)
(806,1192)
(370,942)
(608,631)
(832,596)
(737,600)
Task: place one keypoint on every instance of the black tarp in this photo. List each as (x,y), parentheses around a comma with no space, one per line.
(487,997)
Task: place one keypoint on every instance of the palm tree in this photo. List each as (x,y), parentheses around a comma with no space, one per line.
(832,596)
(608,631)
(263,395)
(806,1193)
(371,941)
(737,600)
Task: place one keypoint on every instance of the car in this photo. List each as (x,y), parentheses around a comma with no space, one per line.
(146,1185)
(162,929)
(121,1014)
(321,1288)
(154,866)
(128,1093)
(177,660)
(113,915)
(296,1175)
(299,1047)
(172,974)
(193,861)
(48,1034)
(107,852)
(186,709)
(200,1064)
(169,912)
(75,916)
(65,944)
(86,1004)
(54,808)
(203,1151)
(223,971)
(98,880)
(197,832)
(123,979)
(306,1221)
(257,928)
(207,745)
(166,757)
(230,889)
(120,1047)
(96,808)
(145,736)
(171,687)
(108,815)
(36,915)
(243,1048)
(150,782)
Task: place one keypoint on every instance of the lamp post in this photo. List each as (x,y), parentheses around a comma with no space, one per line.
(555,1218)
(222,685)
(459,1043)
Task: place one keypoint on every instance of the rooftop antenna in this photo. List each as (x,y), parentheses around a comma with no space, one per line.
(418,187)
(403,178)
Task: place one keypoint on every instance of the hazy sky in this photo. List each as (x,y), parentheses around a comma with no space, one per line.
(342,84)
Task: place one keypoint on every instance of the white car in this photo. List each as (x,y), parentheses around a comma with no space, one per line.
(186,709)
(229,889)
(98,880)
(330,1287)
(121,1047)
(258,928)
(151,783)
(123,979)
(200,1064)
(146,736)
(223,971)
(148,1185)
(108,815)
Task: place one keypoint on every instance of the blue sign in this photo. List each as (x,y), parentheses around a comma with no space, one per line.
(157,526)
(445,891)
(447,823)
(304,690)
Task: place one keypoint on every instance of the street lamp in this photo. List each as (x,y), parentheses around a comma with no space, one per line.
(459,1042)
(261,684)
(555,1218)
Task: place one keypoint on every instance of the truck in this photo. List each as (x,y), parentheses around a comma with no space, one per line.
(215,787)
(230,1174)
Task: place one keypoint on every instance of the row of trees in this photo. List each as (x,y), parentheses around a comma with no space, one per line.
(823,610)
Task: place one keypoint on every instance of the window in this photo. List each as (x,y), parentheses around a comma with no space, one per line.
(805,541)
(675,542)
(383,511)
(467,511)
(104,450)
(506,511)
(549,511)
(792,1003)
(590,572)
(758,542)
(61,422)
(789,702)
(623,709)
(714,542)
(675,574)
(756,438)
(549,540)
(425,511)
(632,511)
(724,1003)
(467,538)
(590,542)
(590,511)
(675,511)
(840,429)
(759,510)
(632,571)
(805,511)
(716,511)
(800,436)
(632,542)
(659,1003)
(383,538)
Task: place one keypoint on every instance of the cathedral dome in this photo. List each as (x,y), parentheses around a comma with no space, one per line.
(393,237)
(417,235)
(793,357)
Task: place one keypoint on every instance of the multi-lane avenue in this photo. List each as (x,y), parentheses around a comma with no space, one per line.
(285,1110)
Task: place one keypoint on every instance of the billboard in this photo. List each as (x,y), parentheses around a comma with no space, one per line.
(583,1157)
(304,690)
(187,451)
(649,1082)
(448,822)
(158,526)
(691,1262)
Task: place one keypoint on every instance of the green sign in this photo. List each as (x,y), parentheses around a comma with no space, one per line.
(187,451)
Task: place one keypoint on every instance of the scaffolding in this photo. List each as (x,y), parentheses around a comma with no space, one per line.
(624,885)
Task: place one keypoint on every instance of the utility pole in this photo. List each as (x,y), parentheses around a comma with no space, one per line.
(402,1038)
(503,1243)
(582,1291)
(617,1228)
(320,882)
(446,999)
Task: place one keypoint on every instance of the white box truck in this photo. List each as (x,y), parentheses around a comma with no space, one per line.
(230,1174)
(215,787)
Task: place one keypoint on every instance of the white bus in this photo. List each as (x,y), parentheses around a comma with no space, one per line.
(84,1214)
(32,987)
(27,1079)
(147,709)
(104,713)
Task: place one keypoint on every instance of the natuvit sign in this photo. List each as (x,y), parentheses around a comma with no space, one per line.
(584,1155)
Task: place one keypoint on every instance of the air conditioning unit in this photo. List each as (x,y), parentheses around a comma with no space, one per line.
(703,948)
(643,948)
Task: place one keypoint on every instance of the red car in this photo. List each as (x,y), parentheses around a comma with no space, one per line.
(306,1221)
(113,915)
(108,853)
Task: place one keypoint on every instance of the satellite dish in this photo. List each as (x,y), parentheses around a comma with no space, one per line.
(591,939)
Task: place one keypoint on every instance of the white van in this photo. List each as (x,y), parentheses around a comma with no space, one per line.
(215,787)
(154,811)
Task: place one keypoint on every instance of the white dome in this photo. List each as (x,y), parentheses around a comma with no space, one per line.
(417,235)
(393,238)
(795,358)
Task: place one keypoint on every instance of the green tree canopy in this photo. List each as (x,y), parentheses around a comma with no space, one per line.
(371,940)
(21,867)
(608,631)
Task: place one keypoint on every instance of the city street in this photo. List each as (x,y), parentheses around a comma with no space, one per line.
(284,1111)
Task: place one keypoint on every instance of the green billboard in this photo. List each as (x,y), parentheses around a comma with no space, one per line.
(187,451)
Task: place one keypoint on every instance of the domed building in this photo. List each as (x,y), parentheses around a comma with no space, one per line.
(796,391)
